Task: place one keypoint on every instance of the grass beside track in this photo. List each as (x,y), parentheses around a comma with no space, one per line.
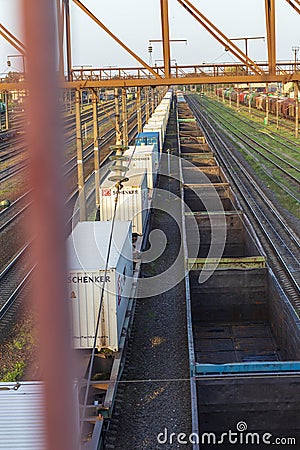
(270,175)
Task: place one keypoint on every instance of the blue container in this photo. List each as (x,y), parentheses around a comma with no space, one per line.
(148,138)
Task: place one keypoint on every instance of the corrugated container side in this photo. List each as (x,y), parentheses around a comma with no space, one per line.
(124,275)
(150,128)
(85,287)
(132,203)
(148,138)
(144,157)
(85,307)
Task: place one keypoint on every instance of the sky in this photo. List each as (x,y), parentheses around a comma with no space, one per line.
(137,21)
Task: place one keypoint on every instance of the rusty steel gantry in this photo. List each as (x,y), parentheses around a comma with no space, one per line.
(246,71)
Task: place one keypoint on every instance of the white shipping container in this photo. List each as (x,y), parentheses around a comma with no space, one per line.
(157,128)
(164,104)
(157,121)
(163,116)
(161,109)
(132,202)
(87,253)
(144,157)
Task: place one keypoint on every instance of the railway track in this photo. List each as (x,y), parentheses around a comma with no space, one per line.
(14,280)
(16,209)
(280,242)
(17,274)
(283,140)
(276,160)
(261,114)
(288,181)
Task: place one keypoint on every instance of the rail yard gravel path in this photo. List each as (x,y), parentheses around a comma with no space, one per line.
(158,351)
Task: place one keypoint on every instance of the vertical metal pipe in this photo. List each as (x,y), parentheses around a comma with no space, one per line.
(139,110)
(147,105)
(47,225)
(60,24)
(68,40)
(249,102)
(296,94)
(117,116)
(124,114)
(152,99)
(271,34)
(165,36)
(156,94)
(70,99)
(267,104)
(96,146)
(6,111)
(79,146)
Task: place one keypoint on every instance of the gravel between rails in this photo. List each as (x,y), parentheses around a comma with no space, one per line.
(157,351)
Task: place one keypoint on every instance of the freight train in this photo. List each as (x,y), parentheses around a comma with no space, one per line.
(286,105)
(88,243)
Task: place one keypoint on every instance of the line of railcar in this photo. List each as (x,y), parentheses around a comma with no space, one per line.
(284,106)
(244,335)
(107,287)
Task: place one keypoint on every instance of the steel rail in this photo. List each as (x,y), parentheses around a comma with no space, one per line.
(246,140)
(256,209)
(11,209)
(268,173)
(5,307)
(255,112)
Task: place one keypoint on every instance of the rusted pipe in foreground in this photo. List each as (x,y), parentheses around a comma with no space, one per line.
(47,224)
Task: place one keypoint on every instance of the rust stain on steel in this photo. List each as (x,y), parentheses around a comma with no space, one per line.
(47,224)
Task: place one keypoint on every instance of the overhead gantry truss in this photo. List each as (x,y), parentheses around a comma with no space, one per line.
(246,71)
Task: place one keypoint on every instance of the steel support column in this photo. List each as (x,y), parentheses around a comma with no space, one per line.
(6,111)
(296,94)
(79,146)
(60,23)
(249,101)
(124,116)
(68,40)
(96,146)
(152,99)
(270,26)
(165,35)
(139,110)
(147,104)
(267,104)
(117,118)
